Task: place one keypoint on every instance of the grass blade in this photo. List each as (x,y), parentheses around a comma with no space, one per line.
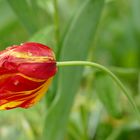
(75,46)
(29,14)
(108,93)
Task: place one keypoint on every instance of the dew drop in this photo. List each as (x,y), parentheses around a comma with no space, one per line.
(29,53)
(16,82)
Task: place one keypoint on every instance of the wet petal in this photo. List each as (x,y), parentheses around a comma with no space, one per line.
(26,72)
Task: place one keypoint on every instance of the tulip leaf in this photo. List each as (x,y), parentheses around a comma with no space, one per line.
(29,14)
(44,36)
(108,93)
(75,46)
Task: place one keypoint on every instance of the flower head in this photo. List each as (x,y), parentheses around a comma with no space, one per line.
(26,72)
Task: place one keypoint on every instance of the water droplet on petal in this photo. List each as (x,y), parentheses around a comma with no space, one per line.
(29,53)
(16,82)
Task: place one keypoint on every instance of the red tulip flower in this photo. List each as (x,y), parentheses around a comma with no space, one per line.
(26,72)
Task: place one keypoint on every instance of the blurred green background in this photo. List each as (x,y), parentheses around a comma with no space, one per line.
(81,104)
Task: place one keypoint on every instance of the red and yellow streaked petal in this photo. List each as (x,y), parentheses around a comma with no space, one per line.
(38,70)
(18,83)
(26,72)
(36,49)
(24,99)
(39,94)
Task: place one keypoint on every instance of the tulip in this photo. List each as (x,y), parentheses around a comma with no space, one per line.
(26,72)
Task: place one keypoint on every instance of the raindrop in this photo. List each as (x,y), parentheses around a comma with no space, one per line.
(29,53)
(16,82)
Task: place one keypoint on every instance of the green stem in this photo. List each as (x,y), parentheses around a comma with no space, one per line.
(56,21)
(106,70)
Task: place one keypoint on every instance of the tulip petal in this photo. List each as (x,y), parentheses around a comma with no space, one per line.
(26,72)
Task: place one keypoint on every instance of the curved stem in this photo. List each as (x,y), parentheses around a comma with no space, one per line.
(113,76)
